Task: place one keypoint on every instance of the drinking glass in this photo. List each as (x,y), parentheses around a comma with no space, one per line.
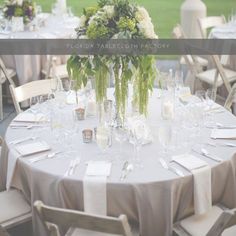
(210,100)
(200,94)
(34,101)
(164,136)
(69,12)
(179,80)
(120,134)
(103,138)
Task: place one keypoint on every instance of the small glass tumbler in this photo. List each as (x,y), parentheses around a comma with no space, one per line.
(80,113)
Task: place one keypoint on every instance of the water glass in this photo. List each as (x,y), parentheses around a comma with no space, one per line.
(103,138)
(121,136)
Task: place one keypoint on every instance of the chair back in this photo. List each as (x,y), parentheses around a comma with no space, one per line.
(70,218)
(226,220)
(221,71)
(230,98)
(3,73)
(210,22)
(31,89)
(190,60)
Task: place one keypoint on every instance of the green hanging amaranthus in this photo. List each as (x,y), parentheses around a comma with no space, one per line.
(116,19)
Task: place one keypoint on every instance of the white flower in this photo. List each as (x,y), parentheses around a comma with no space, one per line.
(109,10)
(141,14)
(82,21)
(147,29)
(19,2)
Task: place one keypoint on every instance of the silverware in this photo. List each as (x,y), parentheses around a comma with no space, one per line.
(126,169)
(221,126)
(22,140)
(41,158)
(170,168)
(73,164)
(228,144)
(205,153)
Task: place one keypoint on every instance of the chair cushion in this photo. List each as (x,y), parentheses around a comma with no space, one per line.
(13,205)
(230,231)
(82,232)
(200,225)
(209,76)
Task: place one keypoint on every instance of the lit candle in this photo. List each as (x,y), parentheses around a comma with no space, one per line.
(168,110)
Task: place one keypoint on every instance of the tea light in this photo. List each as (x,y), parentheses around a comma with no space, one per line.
(168,110)
(80,113)
(87,135)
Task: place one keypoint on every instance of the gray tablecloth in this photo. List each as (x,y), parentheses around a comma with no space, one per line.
(152,196)
(28,67)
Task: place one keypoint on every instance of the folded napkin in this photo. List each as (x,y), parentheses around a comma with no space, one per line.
(202,181)
(223,134)
(30,117)
(214,108)
(94,186)
(32,148)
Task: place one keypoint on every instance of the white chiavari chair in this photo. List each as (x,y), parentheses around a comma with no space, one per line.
(231,98)
(81,223)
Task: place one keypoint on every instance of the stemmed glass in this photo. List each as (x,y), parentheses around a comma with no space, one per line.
(210,100)
(164,136)
(34,101)
(120,134)
(103,138)
(179,82)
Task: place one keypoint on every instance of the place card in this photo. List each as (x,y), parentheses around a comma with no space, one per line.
(32,148)
(223,134)
(98,168)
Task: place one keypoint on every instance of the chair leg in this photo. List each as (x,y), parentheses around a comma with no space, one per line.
(1,104)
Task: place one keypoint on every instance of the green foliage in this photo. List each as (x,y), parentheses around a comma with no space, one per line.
(125,24)
(97,31)
(90,11)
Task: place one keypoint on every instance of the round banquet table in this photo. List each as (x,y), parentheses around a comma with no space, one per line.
(152,196)
(28,67)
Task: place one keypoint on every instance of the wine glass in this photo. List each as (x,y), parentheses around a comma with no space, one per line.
(120,134)
(103,138)
(138,134)
(179,80)
(210,100)
(164,136)
(200,94)
(34,101)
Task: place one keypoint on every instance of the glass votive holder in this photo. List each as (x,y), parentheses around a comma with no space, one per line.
(108,105)
(87,135)
(80,113)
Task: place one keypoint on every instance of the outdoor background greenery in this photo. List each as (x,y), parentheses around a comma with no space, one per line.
(165,13)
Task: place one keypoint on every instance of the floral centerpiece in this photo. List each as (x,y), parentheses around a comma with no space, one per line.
(116,19)
(19,8)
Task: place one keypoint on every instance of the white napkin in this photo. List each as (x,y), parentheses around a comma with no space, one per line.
(202,181)
(32,148)
(30,117)
(94,185)
(223,134)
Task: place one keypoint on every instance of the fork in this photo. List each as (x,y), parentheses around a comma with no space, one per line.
(22,140)
(73,164)
(170,168)
(41,158)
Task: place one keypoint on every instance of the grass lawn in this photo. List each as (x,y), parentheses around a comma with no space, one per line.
(165,13)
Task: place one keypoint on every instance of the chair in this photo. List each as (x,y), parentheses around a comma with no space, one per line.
(230,99)
(31,89)
(216,222)
(209,22)
(5,74)
(178,33)
(218,76)
(14,208)
(81,223)
(53,70)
